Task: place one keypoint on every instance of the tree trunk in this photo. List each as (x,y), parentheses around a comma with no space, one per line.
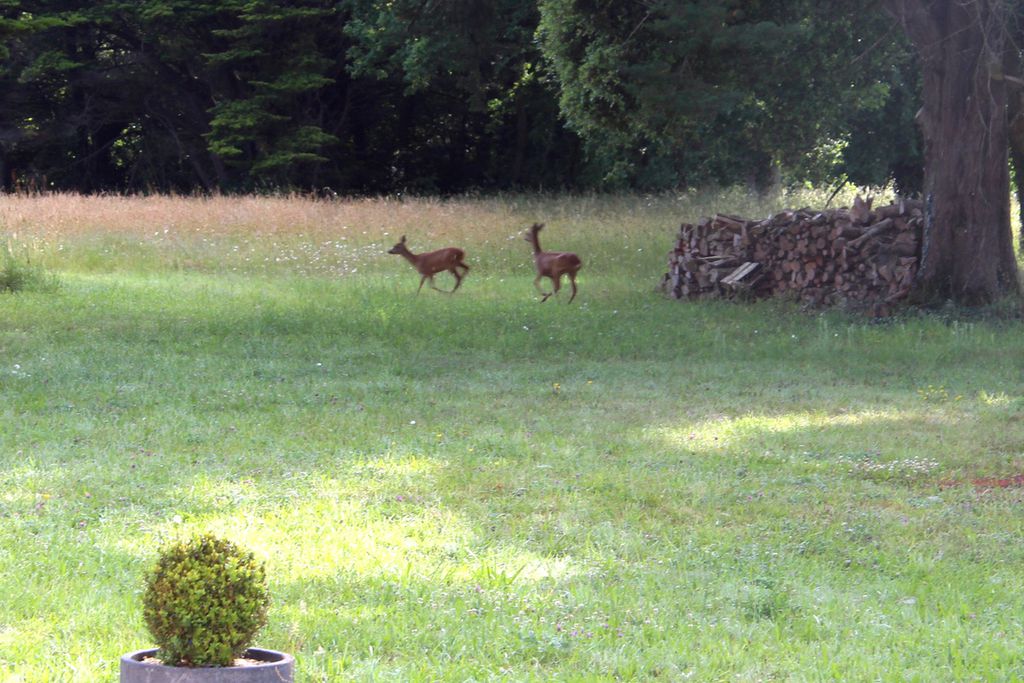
(967,255)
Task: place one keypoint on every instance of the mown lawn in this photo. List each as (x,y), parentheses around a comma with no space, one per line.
(479,487)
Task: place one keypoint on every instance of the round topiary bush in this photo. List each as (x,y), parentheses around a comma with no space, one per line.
(204,602)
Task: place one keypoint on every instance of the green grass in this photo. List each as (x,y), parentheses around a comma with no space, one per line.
(18,273)
(480,487)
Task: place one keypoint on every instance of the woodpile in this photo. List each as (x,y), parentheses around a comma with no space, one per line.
(858,257)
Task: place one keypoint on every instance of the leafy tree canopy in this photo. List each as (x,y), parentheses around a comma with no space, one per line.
(444,96)
(713,85)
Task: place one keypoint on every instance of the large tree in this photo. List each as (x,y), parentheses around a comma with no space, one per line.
(270,118)
(471,100)
(967,248)
(108,95)
(721,90)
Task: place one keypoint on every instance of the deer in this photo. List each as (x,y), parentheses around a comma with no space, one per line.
(552,265)
(430,263)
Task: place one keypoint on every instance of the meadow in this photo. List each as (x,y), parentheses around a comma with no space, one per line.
(479,487)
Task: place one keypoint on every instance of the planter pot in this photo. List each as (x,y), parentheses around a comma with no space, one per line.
(274,667)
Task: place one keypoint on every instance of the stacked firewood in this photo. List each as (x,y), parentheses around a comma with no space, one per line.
(858,256)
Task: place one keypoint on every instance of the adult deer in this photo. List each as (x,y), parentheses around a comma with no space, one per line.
(552,265)
(430,263)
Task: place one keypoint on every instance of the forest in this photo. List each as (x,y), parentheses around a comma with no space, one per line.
(359,97)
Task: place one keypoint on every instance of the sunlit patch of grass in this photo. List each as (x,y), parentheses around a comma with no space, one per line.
(381,520)
(999,399)
(721,430)
(936,394)
(904,468)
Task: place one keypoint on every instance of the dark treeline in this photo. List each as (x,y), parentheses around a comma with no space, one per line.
(368,96)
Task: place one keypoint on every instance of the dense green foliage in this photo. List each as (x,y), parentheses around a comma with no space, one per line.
(204,602)
(374,96)
(706,90)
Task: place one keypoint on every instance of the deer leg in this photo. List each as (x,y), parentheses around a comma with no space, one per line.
(555,285)
(572,281)
(458,278)
(462,265)
(422,280)
(536,285)
(557,282)
(434,287)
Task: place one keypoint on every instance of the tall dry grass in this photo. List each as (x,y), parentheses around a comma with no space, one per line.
(299,235)
(65,216)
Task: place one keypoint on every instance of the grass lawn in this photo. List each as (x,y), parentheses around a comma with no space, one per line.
(479,487)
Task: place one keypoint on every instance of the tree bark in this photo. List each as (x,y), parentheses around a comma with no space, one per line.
(967,253)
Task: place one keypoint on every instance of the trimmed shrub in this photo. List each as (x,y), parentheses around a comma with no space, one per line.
(204,602)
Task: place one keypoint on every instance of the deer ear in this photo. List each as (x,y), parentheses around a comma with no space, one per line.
(403,239)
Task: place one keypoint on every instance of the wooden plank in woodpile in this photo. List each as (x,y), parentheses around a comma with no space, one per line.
(735,279)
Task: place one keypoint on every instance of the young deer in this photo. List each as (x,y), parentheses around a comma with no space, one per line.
(430,263)
(552,265)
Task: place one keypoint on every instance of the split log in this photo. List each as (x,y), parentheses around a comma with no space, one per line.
(875,229)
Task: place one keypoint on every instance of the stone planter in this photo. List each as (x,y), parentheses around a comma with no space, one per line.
(274,667)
